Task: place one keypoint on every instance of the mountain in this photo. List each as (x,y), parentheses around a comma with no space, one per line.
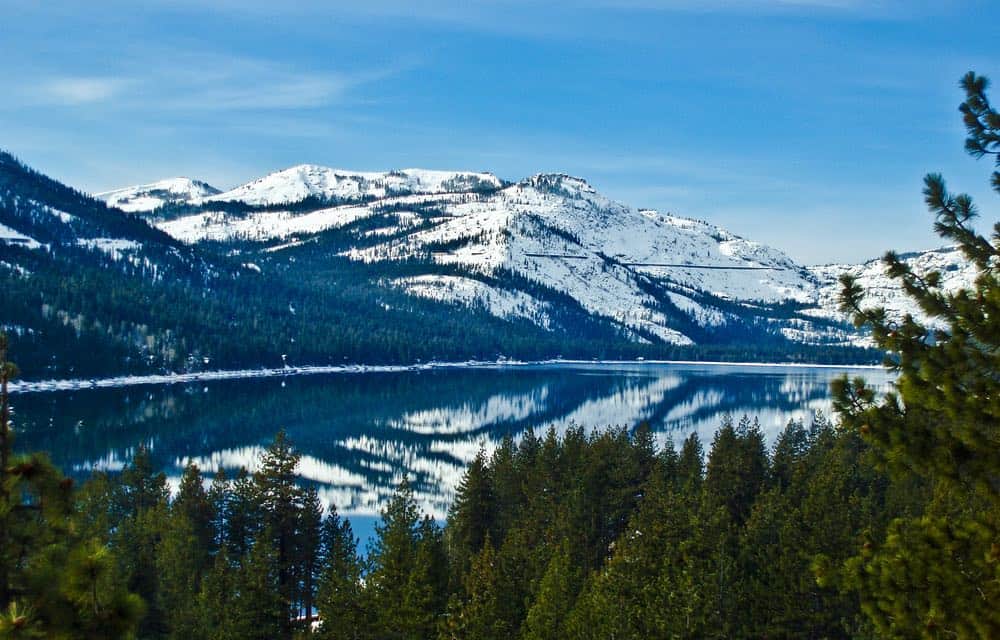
(322,266)
(520,250)
(146,197)
(312,181)
(90,290)
(882,291)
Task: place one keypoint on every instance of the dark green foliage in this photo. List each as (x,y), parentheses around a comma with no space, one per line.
(583,535)
(308,548)
(342,612)
(471,522)
(281,503)
(475,612)
(406,586)
(260,608)
(935,573)
(55,581)
(613,538)
(560,584)
(737,468)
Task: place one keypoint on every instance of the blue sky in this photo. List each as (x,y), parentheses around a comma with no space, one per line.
(805,124)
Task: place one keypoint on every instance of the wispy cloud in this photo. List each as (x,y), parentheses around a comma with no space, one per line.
(287,93)
(74,91)
(203,81)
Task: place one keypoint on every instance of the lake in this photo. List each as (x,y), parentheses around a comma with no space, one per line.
(359,433)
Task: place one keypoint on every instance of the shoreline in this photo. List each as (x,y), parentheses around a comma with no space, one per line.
(42,386)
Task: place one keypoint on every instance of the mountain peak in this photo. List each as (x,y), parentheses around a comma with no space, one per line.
(310,180)
(146,197)
(559,182)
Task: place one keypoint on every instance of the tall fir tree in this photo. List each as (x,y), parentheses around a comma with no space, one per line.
(281,503)
(310,546)
(557,592)
(140,506)
(470,518)
(475,612)
(937,575)
(342,609)
(392,558)
(259,610)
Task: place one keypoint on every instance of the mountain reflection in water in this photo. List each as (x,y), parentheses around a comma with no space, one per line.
(359,434)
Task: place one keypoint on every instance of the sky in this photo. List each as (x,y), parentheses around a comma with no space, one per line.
(804,124)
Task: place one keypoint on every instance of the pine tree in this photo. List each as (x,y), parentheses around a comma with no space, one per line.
(341,607)
(691,463)
(476,613)
(470,519)
(53,582)
(220,499)
(243,515)
(217,600)
(310,542)
(140,502)
(140,487)
(180,560)
(259,610)
(507,495)
(392,557)
(936,575)
(789,449)
(426,591)
(557,592)
(737,468)
(280,499)
(194,504)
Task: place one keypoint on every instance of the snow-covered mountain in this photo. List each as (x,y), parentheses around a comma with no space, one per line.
(308,180)
(881,290)
(146,197)
(525,250)
(93,291)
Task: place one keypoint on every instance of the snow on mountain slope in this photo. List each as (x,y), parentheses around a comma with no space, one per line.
(114,247)
(558,228)
(13,237)
(266,225)
(555,230)
(258,226)
(881,291)
(558,231)
(147,197)
(658,276)
(470,292)
(302,181)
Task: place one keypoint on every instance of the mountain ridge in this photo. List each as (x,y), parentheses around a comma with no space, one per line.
(638,267)
(146,197)
(393,267)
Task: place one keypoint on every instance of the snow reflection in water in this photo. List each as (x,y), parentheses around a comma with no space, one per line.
(359,435)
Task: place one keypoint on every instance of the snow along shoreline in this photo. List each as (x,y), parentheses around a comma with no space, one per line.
(236,374)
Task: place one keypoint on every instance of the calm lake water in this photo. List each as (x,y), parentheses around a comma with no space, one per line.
(359,433)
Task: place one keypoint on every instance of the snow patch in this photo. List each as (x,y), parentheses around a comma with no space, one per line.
(474,293)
